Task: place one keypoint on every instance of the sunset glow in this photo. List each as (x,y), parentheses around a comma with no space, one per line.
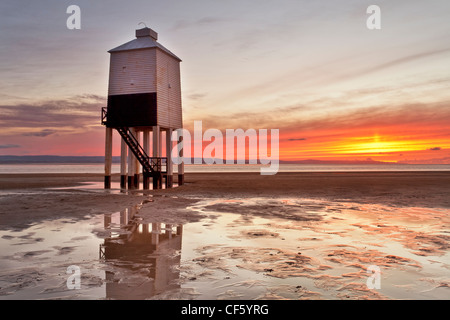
(335,89)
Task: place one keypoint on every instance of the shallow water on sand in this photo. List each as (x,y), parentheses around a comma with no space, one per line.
(255,248)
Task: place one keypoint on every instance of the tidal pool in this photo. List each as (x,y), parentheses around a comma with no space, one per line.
(255,248)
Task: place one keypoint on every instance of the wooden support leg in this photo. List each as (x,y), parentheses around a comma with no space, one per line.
(156,153)
(146,142)
(131,164)
(108,157)
(169,164)
(123,164)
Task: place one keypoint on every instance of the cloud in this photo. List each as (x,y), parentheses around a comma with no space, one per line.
(408,114)
(363,71)
(385,65)
(316,75)
(433,116)
(92,97)
(75,112)
(202,22)
(293,108)
(297,139)
(9,146)
(196,96)
(42,133)
(435,149)
(405,59)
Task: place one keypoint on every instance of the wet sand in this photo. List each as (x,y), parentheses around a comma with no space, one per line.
(245,236)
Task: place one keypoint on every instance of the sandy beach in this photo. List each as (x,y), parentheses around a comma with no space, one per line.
(228,236)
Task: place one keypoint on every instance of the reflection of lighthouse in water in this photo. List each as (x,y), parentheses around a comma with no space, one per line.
(144,257)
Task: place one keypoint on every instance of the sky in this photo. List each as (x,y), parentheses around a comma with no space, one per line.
(334,89)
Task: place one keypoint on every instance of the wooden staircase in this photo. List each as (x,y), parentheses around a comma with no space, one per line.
(152,166)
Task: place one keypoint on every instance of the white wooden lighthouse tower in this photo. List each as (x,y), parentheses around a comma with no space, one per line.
(144,97)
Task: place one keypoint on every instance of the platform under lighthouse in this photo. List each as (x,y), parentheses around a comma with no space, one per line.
(144,104)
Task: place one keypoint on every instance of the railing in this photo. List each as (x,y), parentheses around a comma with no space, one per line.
(157,163)
(149,164)
(104,114)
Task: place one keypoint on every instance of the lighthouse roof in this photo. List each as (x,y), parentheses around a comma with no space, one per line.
(145,39)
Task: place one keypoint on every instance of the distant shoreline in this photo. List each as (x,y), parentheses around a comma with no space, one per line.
(50,159)
(54,159)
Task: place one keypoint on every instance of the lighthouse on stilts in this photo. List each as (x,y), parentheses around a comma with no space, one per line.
(144,106)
